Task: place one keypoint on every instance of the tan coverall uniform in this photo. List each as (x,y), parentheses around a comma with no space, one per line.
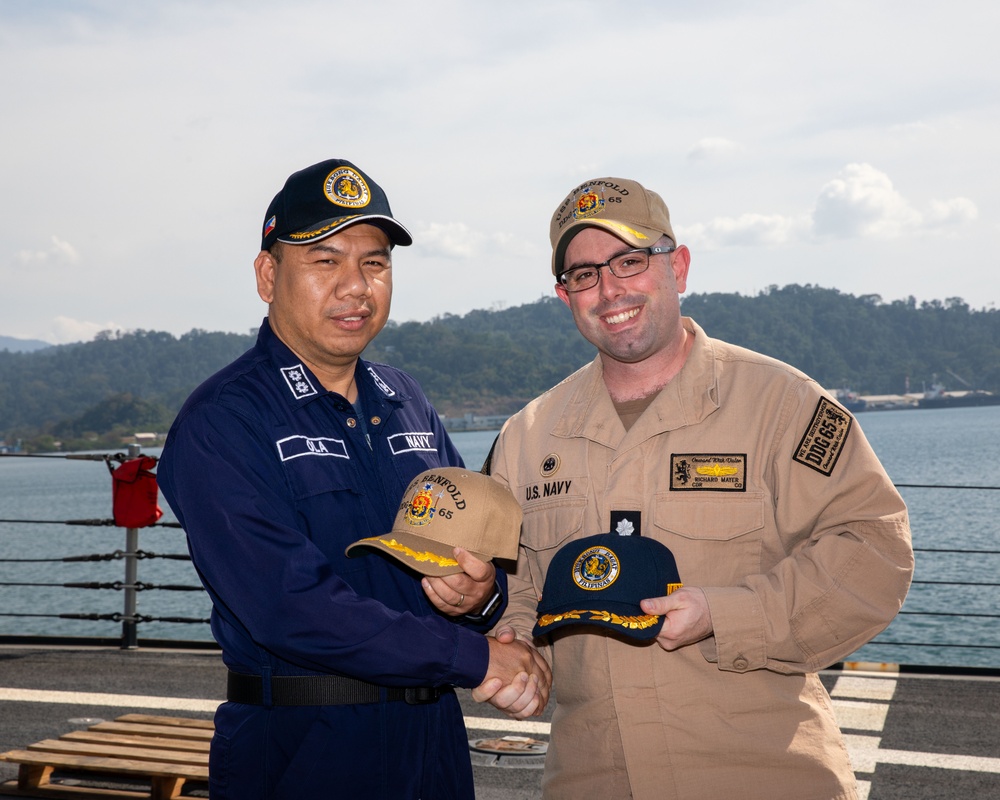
(773,502)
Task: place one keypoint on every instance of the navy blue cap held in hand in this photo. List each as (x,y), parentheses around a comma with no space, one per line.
(321,200)
(599,580)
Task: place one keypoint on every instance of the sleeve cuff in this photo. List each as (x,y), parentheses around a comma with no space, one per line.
(739,630)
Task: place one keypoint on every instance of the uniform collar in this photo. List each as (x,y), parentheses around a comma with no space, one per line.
(300,386)
(688,399)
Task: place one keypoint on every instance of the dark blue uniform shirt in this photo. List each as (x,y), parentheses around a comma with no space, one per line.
(271,477)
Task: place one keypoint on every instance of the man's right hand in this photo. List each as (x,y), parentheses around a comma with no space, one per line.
(517,680)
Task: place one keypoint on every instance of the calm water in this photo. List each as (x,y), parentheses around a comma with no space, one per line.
(949,447)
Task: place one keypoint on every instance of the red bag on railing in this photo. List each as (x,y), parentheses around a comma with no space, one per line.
(134,493)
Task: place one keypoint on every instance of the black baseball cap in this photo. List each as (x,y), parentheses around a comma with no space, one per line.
(325,198)
(599,580)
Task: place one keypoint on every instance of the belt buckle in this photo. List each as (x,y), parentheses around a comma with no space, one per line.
(421,695)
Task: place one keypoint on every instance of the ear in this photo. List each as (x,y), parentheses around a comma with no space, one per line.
(562,293)
(679,264)
(264,266)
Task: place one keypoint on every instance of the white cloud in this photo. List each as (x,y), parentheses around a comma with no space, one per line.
(957,211)
(862,202)
(447,239)
(59,252)
(859,203)
(63,330)
(713,147)
(457,240)
(747,229)
(181,132)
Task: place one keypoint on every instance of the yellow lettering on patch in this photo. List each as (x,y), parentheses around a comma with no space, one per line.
(714,472)
(824,438)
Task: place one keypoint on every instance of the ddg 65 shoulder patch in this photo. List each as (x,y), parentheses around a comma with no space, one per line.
(824,438)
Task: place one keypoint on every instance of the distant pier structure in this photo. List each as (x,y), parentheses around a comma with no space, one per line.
(473,422)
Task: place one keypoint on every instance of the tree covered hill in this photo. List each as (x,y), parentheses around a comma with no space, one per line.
(492,362)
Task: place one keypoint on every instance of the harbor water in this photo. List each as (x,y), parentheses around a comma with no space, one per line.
(949,618)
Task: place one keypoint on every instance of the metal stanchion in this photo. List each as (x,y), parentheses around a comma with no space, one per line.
(130,636)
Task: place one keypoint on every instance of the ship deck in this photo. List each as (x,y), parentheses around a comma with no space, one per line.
(913,734)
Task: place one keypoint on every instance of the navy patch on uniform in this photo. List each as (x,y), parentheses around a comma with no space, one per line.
(626,523)
(422,442)
(296,446)
(298,381)
(825,437)
(550,465)
(386,389)
(549,489)
(712,472)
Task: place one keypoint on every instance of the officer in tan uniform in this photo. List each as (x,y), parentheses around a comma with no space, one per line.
(791,542)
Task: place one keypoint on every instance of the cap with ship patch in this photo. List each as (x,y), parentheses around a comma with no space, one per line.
(321,200)
(622,207)
(445,508)
(599,580)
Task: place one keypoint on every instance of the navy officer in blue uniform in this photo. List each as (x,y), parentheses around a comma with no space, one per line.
(341,670)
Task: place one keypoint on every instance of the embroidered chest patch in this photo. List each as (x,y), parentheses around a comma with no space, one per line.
(713,472)
(413,441)
(825,437)
(297,446)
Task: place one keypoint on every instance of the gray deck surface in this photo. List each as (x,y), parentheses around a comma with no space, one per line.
(911,736)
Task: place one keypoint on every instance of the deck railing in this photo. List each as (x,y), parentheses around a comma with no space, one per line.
(964,633)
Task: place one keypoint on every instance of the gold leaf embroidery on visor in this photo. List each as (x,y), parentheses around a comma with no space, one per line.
(635,623)
(434,558)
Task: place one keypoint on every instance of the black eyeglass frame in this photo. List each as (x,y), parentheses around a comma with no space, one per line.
(649,251)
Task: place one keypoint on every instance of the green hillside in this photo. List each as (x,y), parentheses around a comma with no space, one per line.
(492,362)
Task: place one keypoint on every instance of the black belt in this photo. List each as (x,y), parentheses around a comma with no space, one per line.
(322,690)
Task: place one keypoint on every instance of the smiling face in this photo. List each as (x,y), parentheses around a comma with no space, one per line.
(327,300)
(631,319)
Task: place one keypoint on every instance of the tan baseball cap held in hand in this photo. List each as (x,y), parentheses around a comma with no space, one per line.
(622,207)
(445,508)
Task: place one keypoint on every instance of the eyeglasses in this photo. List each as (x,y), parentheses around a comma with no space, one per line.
(624,265)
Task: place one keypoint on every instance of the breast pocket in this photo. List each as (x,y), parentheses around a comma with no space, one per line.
(316,474)
(554,512)
(329,502)
(716,541)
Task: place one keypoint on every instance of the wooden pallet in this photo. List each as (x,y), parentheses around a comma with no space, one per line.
(165,752)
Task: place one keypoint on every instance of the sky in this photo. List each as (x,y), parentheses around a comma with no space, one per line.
(848,145)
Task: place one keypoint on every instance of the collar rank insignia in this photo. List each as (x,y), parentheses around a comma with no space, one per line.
(387,390)
(298,381)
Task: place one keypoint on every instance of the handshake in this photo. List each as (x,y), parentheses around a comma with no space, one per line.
(518,679)
(627,584)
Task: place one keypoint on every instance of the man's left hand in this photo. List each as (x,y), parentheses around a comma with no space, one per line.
(687,617)
(464,592)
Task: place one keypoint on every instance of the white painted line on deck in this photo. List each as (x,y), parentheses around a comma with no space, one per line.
(858,716)
(114,700)
(510,725)
(866,753)
(194,704)
(864,688)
